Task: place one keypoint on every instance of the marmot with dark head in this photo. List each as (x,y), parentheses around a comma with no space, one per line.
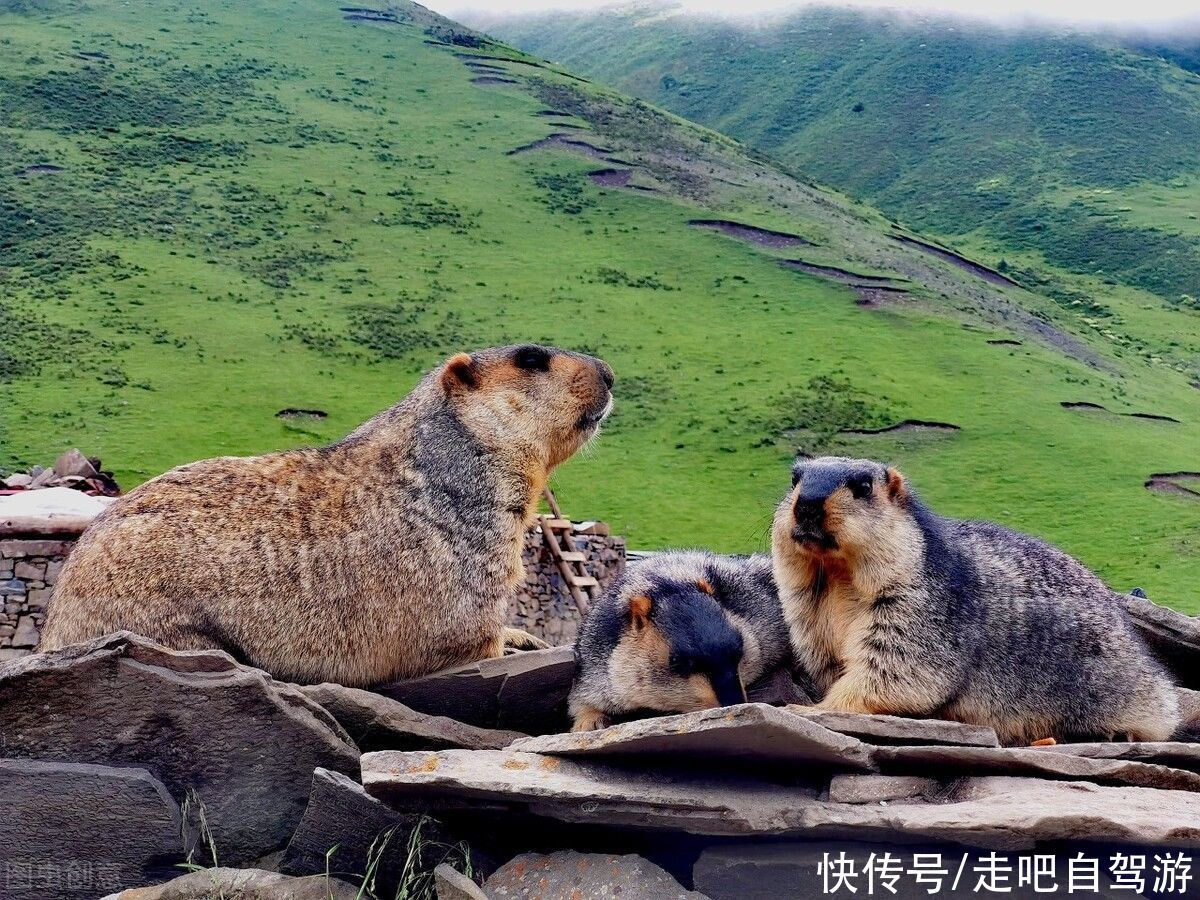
(681,631)
(893,609)
(387,555)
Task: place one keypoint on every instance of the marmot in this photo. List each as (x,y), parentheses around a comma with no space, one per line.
(893,609)
(681,631)
(387,555)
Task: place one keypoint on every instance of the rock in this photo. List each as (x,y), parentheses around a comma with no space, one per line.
(70,830)
(243,884)
(376,722)
(523,692)
(898,730)
(74,463)
(44,478)
(341,814)
(1172,635)
(567,874)
(941,761)
(214,732)
(27,635)
(880,788)
(748,733)
(452,884)
(1177,754)
(998,812)
(18,480)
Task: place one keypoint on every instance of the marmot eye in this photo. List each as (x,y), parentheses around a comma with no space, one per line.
(860,488)
(533,358)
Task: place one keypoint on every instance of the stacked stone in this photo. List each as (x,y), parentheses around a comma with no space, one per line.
(28,570)
(543,606)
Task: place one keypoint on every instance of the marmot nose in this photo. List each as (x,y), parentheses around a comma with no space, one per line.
(606,373)
(809,510)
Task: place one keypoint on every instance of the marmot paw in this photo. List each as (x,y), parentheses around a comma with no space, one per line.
(517,639)
(590,720)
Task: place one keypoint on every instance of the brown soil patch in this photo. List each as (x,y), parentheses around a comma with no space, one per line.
(293,413)
(1082,404)
(843,275)
(551,112)
(1005,342)
(906,426)
(492,79)
(564,142)
(374,20)
(968,265)
(611,177)
(873,296)
(40,169)
(1153,417)
(1181,484)
(764,237)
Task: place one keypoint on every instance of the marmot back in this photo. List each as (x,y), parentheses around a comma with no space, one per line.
(680,631)
(387,555)
(893,609)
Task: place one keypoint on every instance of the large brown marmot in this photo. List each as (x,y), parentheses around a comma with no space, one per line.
(387,555)
(893,609)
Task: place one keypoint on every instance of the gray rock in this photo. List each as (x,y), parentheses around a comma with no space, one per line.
(74,463)
(942,761)
(749,733)
(899,730)
(567,874)
(341,814)
(18,480)
(376,722)
(70,830)
(991,812)
(1176,754)
(243,884)
(452,884)
(524,692)
(1172,635)
(880,788)
(214,732)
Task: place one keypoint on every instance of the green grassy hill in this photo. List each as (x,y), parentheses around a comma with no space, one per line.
(210,213)
(1067,154)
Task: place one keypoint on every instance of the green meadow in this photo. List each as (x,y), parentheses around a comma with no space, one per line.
(269,206)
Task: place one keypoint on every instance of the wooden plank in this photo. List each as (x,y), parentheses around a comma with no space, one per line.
(574,556)
(586,581)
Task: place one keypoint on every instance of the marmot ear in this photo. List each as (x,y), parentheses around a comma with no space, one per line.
(897,487)
(705,586)
(639,610)
(459,373)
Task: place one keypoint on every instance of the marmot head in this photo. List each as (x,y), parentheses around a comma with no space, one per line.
(543,398)
(853,510)
(678,651)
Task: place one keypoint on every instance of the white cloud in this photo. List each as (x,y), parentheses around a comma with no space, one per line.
(1146,13)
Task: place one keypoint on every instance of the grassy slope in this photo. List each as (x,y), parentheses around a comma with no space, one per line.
(330,208)
(1071,155)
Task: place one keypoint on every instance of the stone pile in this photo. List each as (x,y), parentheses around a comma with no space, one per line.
(121,760)
(71,470)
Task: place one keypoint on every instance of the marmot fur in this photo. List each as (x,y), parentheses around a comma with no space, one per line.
(893,609)
(387,555)
(681,631)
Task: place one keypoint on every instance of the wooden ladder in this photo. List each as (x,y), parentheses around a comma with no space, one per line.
(572,562)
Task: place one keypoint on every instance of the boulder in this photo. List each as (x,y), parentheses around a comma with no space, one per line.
(746,734)
(898,730)
(72,830)
(242,884)
(943,761)
(524,692)
(451,884)
(366,833)
(568,874)
(1172,635)
(996,812)
(217,734)
(376,722)
(74,463)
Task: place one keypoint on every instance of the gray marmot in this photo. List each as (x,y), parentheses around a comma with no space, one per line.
(387,555)
(893,609)
(681,631)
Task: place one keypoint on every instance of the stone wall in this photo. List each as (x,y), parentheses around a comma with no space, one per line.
(28,570)
(29,567)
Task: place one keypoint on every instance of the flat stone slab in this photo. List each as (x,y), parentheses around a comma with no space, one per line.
(524,692)
(214,732)
(880,788)
(1172,635)
(376,722)
(996,812)
(365,832)
(941,762)
(899,730)
(1176,754)
(594,876)
(243,884)
(748,733)
(72,830)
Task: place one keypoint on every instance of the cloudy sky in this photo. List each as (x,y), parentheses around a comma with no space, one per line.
(1100,12)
